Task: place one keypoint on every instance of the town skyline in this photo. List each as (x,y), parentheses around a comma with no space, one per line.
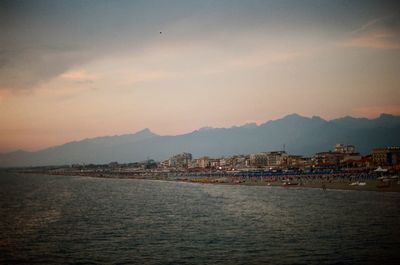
(294,133)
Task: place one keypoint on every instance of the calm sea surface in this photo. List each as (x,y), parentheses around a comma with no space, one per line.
(61,219)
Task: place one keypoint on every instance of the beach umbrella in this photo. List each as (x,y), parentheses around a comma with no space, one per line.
(379,169)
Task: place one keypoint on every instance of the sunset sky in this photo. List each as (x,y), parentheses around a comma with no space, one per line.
(76,69)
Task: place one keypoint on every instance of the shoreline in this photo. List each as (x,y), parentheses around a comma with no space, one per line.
(370,186)
(367,185)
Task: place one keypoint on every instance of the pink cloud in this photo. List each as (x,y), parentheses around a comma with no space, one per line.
(377,40)
(4,93)
(379,33)
(78,76)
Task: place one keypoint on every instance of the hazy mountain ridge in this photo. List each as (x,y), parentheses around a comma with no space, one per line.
(300,135)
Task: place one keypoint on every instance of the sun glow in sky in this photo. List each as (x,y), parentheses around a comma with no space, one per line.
(76,69)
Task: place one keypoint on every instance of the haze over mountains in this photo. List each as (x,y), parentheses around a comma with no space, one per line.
(300,135)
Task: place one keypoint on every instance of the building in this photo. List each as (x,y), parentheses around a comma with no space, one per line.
(270,159)
(328,158)
(351,157)
(180,160)
(241,161)
(214,163)
(365,162)
(345,149)
(277,158)
(388,156)
(295,161)
(237,161)
(203,162)
(223,162)
(259,160)
(194,164)
(164,164)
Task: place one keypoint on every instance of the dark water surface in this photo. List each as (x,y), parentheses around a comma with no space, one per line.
(61,219)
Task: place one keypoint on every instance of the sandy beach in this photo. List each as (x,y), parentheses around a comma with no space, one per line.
(370,185)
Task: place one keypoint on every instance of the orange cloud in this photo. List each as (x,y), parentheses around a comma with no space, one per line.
(4,93)
(138,76)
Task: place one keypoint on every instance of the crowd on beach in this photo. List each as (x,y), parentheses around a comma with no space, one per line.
(339,180)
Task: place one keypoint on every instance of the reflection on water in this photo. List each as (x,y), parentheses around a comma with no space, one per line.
(56,219)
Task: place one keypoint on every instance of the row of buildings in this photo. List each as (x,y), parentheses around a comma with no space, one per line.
(341,156)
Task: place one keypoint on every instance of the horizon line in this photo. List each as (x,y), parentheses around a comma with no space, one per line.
(199,129)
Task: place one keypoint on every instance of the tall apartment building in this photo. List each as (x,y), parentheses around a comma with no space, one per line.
(388,156)
(180,160)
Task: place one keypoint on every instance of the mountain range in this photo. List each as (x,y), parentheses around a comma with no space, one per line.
(300,135)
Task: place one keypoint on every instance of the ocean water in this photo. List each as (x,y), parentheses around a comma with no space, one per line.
(82,220)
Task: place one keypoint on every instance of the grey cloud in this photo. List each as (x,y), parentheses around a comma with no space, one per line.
(42,39)
(25,68)
(379,33)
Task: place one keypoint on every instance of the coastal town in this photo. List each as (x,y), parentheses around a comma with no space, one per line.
(340,168)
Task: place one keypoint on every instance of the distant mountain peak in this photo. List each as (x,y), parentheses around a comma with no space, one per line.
(250,125)
(303,135)
(145,131)
(293,116)
(317,118)
(19,151)
(205,128)
(386,115)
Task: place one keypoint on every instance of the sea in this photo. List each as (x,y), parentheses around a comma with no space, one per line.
(83,220)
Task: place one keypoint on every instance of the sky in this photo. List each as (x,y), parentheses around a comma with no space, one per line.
(79,69)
